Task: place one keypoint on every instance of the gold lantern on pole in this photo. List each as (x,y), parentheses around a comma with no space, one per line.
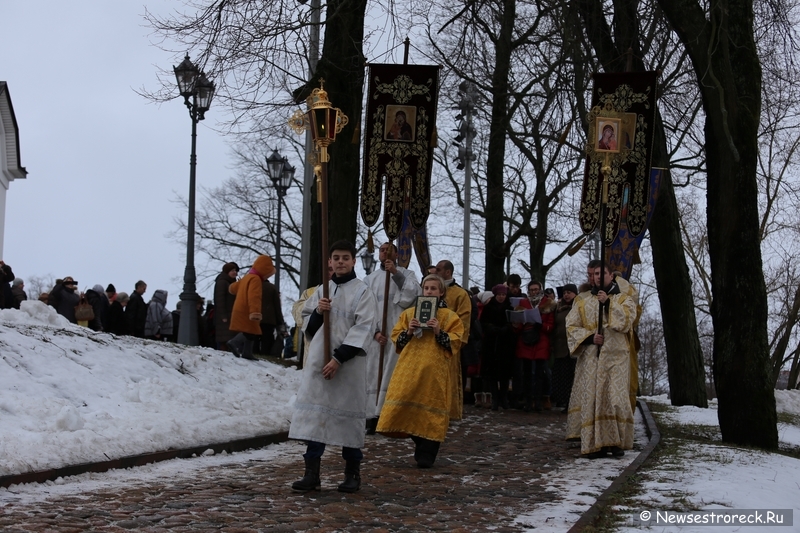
(324,121)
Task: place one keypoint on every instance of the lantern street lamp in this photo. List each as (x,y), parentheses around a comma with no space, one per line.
(324,121)
(197,93)
(281,173)
(367,261)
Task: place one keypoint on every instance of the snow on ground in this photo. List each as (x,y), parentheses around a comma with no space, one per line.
(69,395)
(578,485)
(711,476)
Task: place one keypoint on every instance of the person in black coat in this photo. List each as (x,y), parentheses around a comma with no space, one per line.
(18,293)
(136,311)
(63,298)
(116,323)
(497,354)
(99,302)
(6,277)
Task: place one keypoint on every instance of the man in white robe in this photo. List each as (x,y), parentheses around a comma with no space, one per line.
(330,404)
(403,292)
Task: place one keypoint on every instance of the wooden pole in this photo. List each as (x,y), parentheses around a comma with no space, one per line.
(605,171)
(386,287)
(322,194)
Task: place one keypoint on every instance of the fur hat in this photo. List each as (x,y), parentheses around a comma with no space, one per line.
(230,266)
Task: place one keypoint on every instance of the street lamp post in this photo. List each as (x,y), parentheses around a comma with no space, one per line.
(367,261)
(466,133)
(197,93)
(281,174)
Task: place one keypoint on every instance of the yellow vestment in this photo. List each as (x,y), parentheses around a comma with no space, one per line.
(419,395)
(599,408)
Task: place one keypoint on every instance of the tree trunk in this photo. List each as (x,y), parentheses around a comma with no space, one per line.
(342,66)
(684,356)
(725,59)
(495,251)
(685,370)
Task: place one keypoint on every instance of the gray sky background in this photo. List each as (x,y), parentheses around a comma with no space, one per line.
(103,162)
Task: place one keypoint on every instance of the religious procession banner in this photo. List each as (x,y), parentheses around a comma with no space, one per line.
(623,252)
(621,125)
(398,145)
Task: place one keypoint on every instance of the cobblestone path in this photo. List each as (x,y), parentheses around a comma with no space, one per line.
(488,472)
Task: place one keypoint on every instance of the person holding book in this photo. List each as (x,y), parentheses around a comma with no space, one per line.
(418,401)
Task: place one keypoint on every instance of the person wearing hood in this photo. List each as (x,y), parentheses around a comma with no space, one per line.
(97,298)
(246,315)
(158,323)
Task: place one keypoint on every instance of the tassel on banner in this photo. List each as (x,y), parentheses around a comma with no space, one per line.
(370,242)
(356,135)
(563,138)
(578,245)
(434,138)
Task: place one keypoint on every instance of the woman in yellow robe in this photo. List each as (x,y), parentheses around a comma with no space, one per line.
(419,394)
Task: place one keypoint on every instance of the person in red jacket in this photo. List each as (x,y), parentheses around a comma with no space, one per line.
(535,355)
(246,314)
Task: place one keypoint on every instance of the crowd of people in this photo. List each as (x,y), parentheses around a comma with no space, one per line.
(372,364)
(222,324)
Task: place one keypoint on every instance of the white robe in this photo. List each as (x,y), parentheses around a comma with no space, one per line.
(332,411)
(400,299)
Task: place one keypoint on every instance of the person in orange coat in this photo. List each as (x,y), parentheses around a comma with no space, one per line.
(246,314)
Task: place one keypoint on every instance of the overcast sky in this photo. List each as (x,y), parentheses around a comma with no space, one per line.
(103,163)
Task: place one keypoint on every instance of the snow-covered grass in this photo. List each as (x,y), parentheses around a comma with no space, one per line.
(70,396)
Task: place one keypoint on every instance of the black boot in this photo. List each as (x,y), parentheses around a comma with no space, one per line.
(236,344)
(495,396)
(310,479)
(504,396)
(372,425)
(352,477)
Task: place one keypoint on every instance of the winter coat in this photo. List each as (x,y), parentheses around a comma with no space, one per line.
(246,316)
(6,277)
(136,315)
(558,340)
(541,350)
(497,354)
(19,296)
(223,307)
(116,323)
(271,312)
(64,299)
(99,303)
(158,320)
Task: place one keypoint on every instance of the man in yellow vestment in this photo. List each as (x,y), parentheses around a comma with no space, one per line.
(599,410)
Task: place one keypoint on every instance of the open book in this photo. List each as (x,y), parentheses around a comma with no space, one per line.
(524,316)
